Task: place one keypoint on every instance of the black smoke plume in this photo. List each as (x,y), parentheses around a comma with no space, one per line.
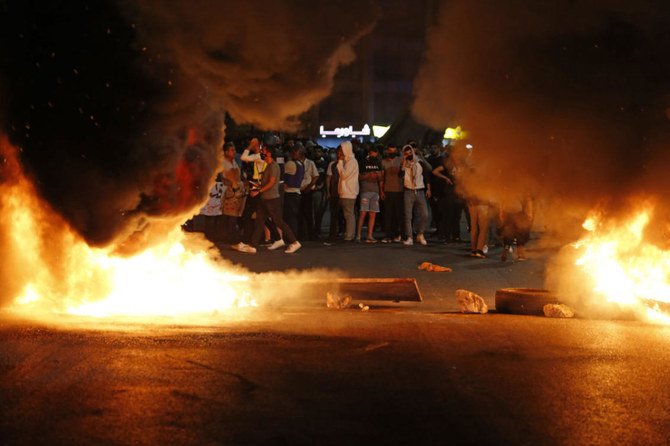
(117,107)
(567,100)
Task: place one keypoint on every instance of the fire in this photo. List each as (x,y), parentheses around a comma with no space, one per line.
(622,267)
(54,273)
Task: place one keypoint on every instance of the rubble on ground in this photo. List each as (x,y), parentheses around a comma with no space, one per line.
(470,302)
(558,310)
(337,302)
(431,267)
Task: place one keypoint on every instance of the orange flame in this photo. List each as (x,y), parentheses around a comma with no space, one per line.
(56,273)
(622,267)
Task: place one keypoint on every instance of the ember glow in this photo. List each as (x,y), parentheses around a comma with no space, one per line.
(620,266)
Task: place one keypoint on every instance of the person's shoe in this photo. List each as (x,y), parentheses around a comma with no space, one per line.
(276,245)
(421,239)
(408,242)
(397,239)
(479,254)
(370,240)
(236,247)
(293,247)
(387,240)
(266,243)
(246,248)
(357,240)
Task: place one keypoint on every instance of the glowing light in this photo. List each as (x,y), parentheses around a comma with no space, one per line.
(455,133)
(59,274)
(624,268)
(344,132)
(380,130)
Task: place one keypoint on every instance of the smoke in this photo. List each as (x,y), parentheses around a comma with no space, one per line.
(117,107)
(566,100)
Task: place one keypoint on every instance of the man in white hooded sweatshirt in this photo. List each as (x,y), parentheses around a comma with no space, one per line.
(347,167)
(416,189)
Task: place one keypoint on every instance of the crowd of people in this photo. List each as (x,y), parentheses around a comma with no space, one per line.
(274,195)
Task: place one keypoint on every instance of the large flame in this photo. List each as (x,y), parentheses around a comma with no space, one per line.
(620,266)
(56,273)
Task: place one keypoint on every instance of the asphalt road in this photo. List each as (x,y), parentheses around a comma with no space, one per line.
(408,374)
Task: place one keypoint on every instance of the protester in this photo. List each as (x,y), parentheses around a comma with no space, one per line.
(233,200)
(319,201)
(211,212)
(392,195)
(306,220)
(371,184)
(333,196)
(444,179)
(294,172)
(416,190)
(516,220)
(348,187)
(269,205)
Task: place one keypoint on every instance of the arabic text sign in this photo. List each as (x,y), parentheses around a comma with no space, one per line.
(345,132)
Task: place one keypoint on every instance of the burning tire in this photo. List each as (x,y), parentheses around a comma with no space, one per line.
(528,301)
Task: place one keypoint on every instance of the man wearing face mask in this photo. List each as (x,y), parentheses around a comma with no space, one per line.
(416,189)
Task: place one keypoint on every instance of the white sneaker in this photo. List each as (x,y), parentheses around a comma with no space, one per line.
(278,244)
(237,247)
(421,239)
(243,247)
(293,247)
(397,239)
(408,242)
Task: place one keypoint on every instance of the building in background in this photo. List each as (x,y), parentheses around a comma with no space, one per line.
(376,89)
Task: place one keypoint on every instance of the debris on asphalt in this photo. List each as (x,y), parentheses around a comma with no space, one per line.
(337,302)
(431,267)
(470,302)
(363,307)
(558,310)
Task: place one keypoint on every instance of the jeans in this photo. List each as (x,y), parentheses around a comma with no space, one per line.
(272,209)
(292,210)
(415,199)
(349,217)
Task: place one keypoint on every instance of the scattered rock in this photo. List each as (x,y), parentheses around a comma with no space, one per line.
(558,310)
(337,302)
(470,302)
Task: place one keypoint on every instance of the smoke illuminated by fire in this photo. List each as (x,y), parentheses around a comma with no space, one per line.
(615,264)
(52,274)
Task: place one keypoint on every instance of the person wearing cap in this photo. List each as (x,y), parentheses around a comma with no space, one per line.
(371,180)
(416,189)
(347,168)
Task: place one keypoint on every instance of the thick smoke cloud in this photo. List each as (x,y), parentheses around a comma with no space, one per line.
(117,107)
(568,100)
